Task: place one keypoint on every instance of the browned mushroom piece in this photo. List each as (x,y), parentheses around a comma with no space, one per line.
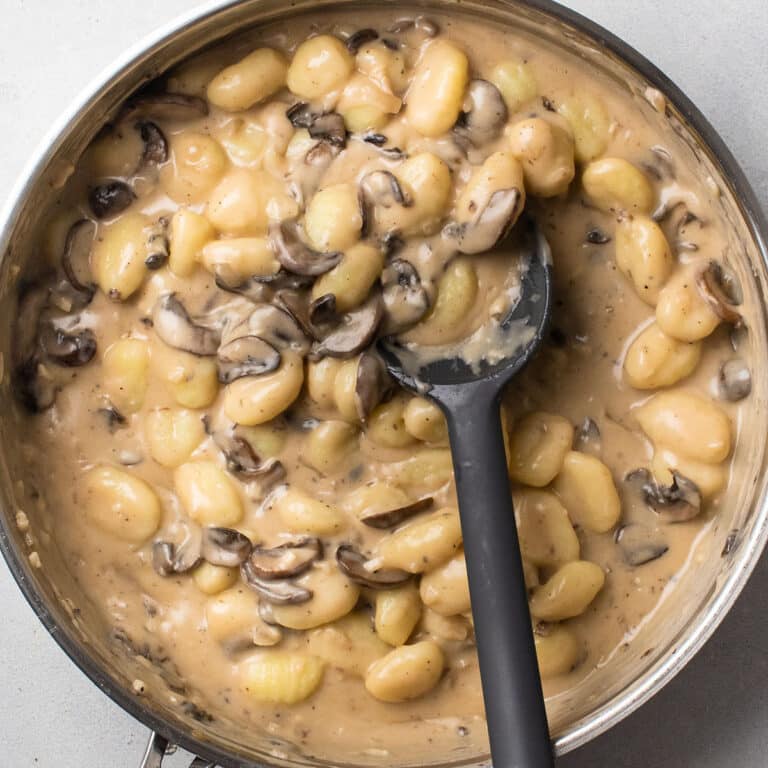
(330,128)
(406,301)
(225,546)
(165,106)
(392,517)
(360,38)
(321,315)
(157,244)
(246,356)
(295,255)
(243,461)
(278,327)
(68,349)
(720,291)
(587,438)
(640,544)
(155,144)
(354,331)
(251,288)
(383,189)
(169,558)
(490,223)
(677,502)
(110,199)
(75,260)
(287,560)
(352,564)
(484,113)
(277,592)
(174,326)
(372,383)
(300,114)
(734,380)
(296,303)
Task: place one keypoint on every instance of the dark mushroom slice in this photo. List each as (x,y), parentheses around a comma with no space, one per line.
(352,564)
(321,315)
(157,244)
(720,292)
(296,304)
(392,517)
(355,331)
(174,326)
(278,327)
(225,546)
(640,544)
(377,139)
(68,349)
(252,288)
(295,255)
(372,383)
(287,560)
(276,592)
(383,189)
(329,127)
(734,380)
(587,438)
(300,114)
(165,106)
(155,144)
(360,38)
(243,461)
(406,301)
(110,199)
(246,356)
(35,390)
(169,558)
(484,113)
(489,225)
(677,502)
(76,256)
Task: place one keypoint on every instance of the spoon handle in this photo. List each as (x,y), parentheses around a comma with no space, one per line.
(514,704)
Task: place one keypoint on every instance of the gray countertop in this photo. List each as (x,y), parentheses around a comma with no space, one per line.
(715,712)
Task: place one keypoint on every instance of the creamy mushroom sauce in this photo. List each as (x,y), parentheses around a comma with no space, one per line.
(105,411)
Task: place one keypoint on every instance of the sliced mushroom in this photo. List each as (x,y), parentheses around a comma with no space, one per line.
(277,592)
(675,503)
(372,382)
(383,189)
(165,106)
(110,199)
(76,257)
(296,303)
(734,381)
(406,301)
(321,314)
(295,255)
(157,244)
(489,225)
(68,349)
(225,546)
(330,128)
(587,438)
(720,292)
(174,326)
(243,461)
(300,114)
(484,113)
(278,327)
(392,517)
(640,544)
(377,139)
(33,386)
(287,560)
(246,356)
(252,288)
(169,558)
(155,144)
(355,331)
(360,38)
(352,564)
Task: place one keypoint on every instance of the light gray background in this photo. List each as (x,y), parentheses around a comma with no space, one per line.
(716,712)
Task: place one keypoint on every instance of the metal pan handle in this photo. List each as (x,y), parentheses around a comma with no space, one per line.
(156,751)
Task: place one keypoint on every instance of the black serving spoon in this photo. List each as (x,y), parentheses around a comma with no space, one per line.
(470,397)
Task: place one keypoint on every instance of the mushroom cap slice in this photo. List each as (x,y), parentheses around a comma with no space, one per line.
(225,546)
(243,461)
(406,301)
(246,356)
(76,256)
(358,39)
(489,225)
(392,517)
(278,327)
(674,503)
(329,127)
(300,114)
(155,144)
(165,106)
(640,544)
(276,592)
(286,560)
(383,189)
(110,199)
(174,326)
(372,382)
(68,349)
(711,283)
(352,564)
(484,114)
(295,255)
(355,331)
(169,558)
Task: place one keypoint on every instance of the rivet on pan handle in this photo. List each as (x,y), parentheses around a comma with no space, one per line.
(155,752)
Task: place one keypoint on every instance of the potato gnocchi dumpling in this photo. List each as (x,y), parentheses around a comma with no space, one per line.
(241,487)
